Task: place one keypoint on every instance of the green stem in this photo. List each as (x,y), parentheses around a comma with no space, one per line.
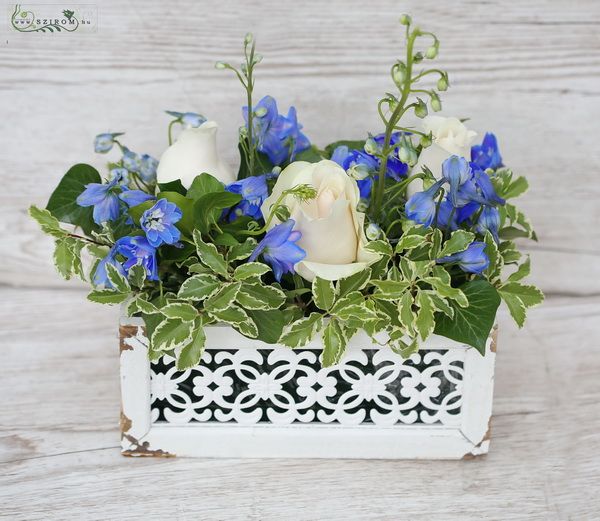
(249,89)
(169,131)
(394,118)
(425,73)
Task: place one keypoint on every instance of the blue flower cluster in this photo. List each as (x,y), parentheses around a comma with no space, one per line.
(254,191)
(279,248)
(276,135)
(470,201)
(368,165)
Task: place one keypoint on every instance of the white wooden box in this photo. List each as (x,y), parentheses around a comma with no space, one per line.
(248,399)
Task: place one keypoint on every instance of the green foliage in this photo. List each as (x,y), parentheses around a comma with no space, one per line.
(471,324)
(324,293)
(518,297)
(63,201)
(334,343)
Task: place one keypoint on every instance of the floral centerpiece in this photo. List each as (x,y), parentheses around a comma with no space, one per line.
(403,233)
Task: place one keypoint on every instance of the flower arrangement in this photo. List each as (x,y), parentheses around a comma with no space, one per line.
(403,234)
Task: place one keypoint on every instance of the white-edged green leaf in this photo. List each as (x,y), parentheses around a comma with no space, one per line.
(223,297)
(199,287)
(209,255)
(107,296)
(302,331)
(355,282)
(515,306)
(257,296)
(389,289)
(181,310)
(491,250)
(116,278)
(172,333)
(458,241)
(143,306)
(405,307)
(529,295)
(447,291)
(137,275)
(352,298)
(334,343)
(380,246)
(323,293)
(190,354)
(522,271)
(357,312)
(436,244)
(425,321)
(241,251)
(48,223)
(63,258)
(250,270)
(409,242)
(441,304)
(238,318)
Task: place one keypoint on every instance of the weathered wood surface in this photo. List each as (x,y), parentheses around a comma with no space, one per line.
(530,71)
(59,435)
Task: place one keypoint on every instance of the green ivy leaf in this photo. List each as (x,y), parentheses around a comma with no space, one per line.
(257,296)
(198,287)
(250,270)
(182,310)
(458,241)
(106,296)
(208,208)
(63,204)
(472,324)
(209,255)
(323,293)
(172,333)
(334,343)
(204,184)
(48,223)
(302,331)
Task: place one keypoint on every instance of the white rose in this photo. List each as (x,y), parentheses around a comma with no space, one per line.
(332,229)
(194,152)
(450,137)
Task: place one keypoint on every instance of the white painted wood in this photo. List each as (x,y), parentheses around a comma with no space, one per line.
(466,434)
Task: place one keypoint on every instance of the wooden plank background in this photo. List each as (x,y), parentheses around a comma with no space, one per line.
(528,70)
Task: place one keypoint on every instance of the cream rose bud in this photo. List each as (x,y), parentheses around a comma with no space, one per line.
(332,229)
(194,152)
(450,137)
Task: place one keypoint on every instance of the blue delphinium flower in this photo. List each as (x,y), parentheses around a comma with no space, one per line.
(277,136)
(131,161)
(254,191)
(487,155)
(137,250)
(457,171)
(279,250)
(121,174)
(421,206)
(187,119)
(134,197)
(489,220)
(103,143)
(472,260)
(104,200)
(159,221)
(396,169)
(484,184)
(100,277)
(147,168)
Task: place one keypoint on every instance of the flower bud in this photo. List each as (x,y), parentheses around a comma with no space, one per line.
(405,19)
(248,38)
(258,58)
(442,83)
(373,232)
(421,108)
(371,147)
(220,65)
(426,140)
(363,205)
(436,103)
(358,172)
(282,213)
(399,73)
(418,57)
(432,52)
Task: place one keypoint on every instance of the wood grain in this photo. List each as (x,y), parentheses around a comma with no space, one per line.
(529,71)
